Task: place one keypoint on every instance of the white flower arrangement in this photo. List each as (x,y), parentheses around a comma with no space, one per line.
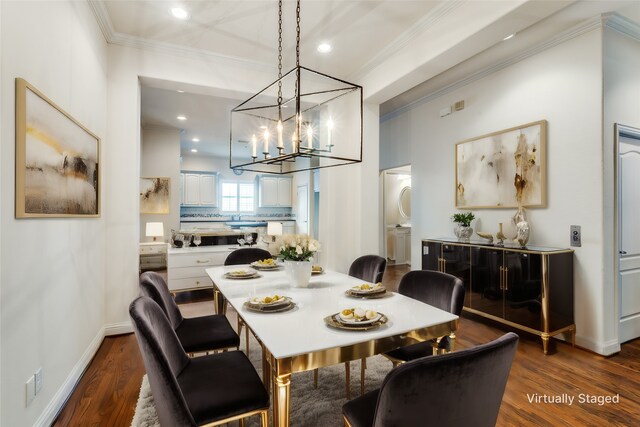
(297,247)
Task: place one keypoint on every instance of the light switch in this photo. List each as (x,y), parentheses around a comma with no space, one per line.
(575,236)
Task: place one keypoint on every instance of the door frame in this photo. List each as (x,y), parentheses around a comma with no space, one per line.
(618,130)
(308,203)
(383,199)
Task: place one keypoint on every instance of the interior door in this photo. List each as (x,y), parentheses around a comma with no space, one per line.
(302,212)
(629,233)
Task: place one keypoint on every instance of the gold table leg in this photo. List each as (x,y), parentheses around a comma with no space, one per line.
(347,379)
(281,400)
(315,378)
(266,370)
(363,366)
(545,343)
(219,302)
(452,340)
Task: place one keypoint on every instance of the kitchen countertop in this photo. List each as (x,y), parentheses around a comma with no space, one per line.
(221,220)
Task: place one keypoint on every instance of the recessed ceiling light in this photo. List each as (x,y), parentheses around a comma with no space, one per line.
(196,139)
(324,48)
(193,150)
(510,36)
(181,117)
(180,13)
(179,91)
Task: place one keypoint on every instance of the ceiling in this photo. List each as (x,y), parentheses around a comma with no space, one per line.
(397,50)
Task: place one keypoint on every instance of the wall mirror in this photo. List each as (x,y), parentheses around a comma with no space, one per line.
(404,202)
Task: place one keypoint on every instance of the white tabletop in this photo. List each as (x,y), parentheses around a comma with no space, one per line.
(303,330)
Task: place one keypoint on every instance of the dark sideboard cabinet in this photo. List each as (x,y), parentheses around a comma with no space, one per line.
(527,288)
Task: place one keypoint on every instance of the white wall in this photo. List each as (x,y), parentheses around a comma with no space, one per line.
(52,271)
(621,105)
(160,157)
(214,164)
(395,146)
(350,214)
(562,85)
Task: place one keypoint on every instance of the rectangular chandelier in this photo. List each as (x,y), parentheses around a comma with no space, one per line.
(304,120)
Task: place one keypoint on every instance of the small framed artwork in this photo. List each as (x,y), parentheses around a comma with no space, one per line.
(503,169)
(57,160)
(154,195)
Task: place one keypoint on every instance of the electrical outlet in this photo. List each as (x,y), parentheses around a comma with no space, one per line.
(38,378)
(425,250)
(30,390)
(575,236)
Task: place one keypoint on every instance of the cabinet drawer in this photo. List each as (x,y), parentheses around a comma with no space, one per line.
(186,272)
(155,249)
(190,283)
(197,260)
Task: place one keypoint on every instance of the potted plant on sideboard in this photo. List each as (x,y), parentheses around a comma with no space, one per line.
(463,230)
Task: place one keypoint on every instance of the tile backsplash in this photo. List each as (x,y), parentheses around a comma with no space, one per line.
(210,212)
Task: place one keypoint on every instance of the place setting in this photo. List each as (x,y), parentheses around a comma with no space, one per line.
(367,291)
(241,274)
(356,319)
(269,304)
(316,270)
(268,264)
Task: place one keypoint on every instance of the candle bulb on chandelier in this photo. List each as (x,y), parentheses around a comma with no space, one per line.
(254,142)
(279,127)
(309,137)
(266,142)
(330,128)
(294,142)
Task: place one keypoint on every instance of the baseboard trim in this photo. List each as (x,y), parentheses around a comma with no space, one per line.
(606,348)
(118,328)
(62,395)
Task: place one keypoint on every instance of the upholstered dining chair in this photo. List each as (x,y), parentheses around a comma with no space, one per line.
(196,334)
(245,256)
(208,390)
(437,289)
(369,268)
(459,389)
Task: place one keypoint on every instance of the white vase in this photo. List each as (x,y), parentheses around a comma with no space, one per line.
(298,272)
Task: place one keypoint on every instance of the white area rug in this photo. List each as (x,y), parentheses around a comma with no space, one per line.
(311,407)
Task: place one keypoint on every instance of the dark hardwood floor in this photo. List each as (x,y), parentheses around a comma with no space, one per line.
(107,393)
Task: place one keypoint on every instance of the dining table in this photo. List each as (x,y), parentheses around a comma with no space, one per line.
(304,338)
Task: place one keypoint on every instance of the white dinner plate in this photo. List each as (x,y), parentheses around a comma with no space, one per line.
(353,322)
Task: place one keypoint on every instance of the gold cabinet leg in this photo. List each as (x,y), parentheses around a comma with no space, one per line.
(573,337)
(347,379)
(281,396)
(315,378)
(264,418)
(363,366)
(545,343)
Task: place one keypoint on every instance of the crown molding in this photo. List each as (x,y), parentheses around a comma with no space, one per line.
(622,25)
(113,37)
(576,31)
(430,19)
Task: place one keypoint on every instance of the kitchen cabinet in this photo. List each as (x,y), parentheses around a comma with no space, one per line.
(399,244)
(199,189)
(527,288)
(274,191)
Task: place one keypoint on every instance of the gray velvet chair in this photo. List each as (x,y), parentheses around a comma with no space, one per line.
(437,289)
(196,334)
(246,256)
(459,389)
(209,390)
(369,268)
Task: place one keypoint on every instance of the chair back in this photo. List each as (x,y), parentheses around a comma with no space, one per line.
(440,290)
(152,285)
(369,268)
(246,256)
(163,358)
(459,389)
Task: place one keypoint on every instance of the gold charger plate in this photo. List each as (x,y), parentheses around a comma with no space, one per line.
(238,277)
(257,266)
(273,309)
(331,321)
(370,295)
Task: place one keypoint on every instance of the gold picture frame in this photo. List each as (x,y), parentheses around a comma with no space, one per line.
(57,160)
(502,169)
(155,195)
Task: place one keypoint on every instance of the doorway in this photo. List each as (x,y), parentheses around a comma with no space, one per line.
(396,215)
(628,230)
(302,212)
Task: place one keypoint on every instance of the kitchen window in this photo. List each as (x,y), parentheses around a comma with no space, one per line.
(237,196)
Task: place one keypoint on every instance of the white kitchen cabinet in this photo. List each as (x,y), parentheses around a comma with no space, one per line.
(200,189)
(288,227)
(399,245)
(274,191)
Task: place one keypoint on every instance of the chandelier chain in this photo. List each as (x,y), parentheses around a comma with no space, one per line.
(279,57)
(298,33)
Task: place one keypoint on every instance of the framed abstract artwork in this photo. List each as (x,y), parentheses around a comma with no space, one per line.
(154,195)
(503,169)
(57,160)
